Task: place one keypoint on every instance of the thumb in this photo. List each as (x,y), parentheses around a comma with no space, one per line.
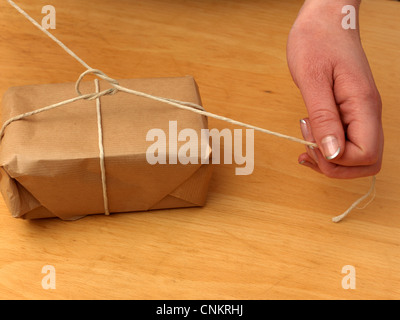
(325,121)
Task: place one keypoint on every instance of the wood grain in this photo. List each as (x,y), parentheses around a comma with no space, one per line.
(264,236)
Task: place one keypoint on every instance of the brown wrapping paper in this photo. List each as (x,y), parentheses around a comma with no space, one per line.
(49,162)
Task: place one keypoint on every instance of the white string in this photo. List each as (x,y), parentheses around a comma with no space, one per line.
(101,149)
(172,102)
(369,201)
(69,51)
(176,103)
(31,113)
(355,204)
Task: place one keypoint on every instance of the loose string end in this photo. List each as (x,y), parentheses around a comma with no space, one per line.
(356,203)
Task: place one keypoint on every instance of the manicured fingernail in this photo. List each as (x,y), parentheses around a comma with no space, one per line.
(330,147)
(313,153)
(305,131)
(308,136)
(306,163)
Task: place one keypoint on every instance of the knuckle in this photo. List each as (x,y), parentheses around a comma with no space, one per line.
(376,168)
(370,96)
(320,117)
(371,154)
(370,157)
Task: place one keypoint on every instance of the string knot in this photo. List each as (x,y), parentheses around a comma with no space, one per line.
(101,75)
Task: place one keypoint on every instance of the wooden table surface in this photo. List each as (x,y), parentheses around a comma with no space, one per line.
(268,235)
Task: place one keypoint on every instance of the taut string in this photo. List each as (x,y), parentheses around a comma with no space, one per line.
(117,87)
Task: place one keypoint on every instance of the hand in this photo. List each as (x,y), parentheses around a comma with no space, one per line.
(329,66)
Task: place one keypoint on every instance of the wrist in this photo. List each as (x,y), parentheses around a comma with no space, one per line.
(328,9)
(327,16)
(331,5)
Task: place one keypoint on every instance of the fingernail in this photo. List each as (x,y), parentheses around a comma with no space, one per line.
(313,153)
(308,137)
(330,147)
(304,129)
(306,163)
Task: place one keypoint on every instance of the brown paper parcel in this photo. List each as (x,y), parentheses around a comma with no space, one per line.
(49,162)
